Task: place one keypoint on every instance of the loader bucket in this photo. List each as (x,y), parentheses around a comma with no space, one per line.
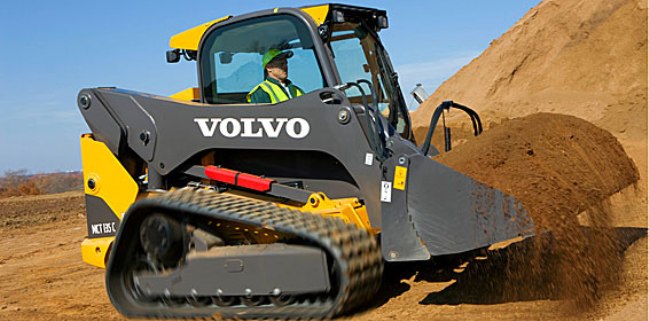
(450,212)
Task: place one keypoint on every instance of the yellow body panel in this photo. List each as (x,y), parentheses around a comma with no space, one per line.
(349,210)
(318,13)
(188,94)
(95,251)
(113,183)
(190,38)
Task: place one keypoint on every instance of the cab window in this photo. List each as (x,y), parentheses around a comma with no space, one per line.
(359,55)
(231,57)
(355,55)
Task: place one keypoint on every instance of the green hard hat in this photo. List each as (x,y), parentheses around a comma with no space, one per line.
(274,53)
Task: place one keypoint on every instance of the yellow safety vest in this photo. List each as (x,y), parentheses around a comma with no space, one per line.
(277,95)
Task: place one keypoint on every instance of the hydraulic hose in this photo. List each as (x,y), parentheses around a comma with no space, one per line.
(447,105)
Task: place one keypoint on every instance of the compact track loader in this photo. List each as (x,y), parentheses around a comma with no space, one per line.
(203,204)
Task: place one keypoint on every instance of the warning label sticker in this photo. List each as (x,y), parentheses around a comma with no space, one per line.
(386,192)
(400,174)
(369,159)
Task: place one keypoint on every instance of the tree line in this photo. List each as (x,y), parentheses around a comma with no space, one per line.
(21,183)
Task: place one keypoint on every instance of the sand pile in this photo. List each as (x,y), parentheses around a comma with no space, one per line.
(555,164)
(579,57)
(563,169)
(585,58)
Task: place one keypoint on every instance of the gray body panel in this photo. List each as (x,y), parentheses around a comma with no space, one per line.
(100,219)
(441,211)
(104,124)
(178,137)
(399,239)
(139,123)
(231,270)
(453,213)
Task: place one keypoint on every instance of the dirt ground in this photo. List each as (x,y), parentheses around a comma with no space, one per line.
(42,277)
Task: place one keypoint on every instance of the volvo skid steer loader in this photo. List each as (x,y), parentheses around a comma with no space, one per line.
(204,204)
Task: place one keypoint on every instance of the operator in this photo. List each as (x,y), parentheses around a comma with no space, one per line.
(276,87)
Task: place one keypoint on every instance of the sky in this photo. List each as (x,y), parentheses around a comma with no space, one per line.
(52,49)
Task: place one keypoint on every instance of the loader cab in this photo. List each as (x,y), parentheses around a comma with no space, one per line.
(332,45)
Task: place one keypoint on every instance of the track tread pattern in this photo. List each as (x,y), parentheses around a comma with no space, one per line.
(356,252)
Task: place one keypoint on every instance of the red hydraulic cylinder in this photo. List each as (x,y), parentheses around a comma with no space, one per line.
(228,176)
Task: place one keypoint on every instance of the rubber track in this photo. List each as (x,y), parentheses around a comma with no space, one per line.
(356,252)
